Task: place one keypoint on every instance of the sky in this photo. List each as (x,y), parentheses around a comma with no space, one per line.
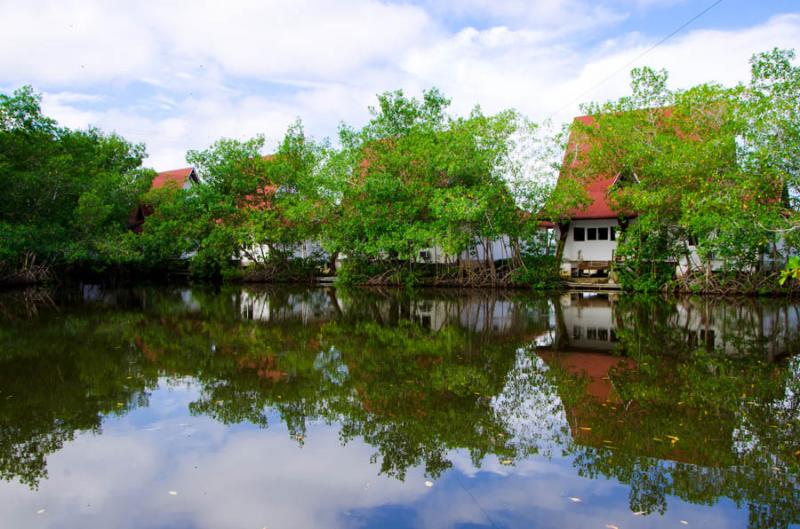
(178,75)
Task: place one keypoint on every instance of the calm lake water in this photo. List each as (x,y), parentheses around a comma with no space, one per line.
(324,408)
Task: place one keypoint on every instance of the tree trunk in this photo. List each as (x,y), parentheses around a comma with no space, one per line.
(563,233)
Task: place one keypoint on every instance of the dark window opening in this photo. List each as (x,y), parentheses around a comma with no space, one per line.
(613,233)
(591,234)
(602,234)
(579,234)
(576,332)
(591,334)
(709,337)
(602,334)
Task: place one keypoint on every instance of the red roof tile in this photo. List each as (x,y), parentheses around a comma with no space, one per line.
(598,187)
(178,176)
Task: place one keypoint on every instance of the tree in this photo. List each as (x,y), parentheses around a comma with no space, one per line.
(704,170)
(415,178)
(68,193)
(251,205)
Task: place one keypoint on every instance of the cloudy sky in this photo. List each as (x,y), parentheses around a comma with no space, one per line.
(179,74)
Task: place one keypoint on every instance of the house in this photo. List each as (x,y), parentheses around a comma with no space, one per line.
(498,249)
(258,253)
(179,178)
(590,235)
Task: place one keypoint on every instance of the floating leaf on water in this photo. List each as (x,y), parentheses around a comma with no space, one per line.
(684,522)
(638,513)
(120,404)
(506,461)
(609,526)
(585,428)
(40,511)
(429,484)
(173,493)
(573,499)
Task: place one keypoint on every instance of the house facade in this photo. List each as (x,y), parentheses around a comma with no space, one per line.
(589,236)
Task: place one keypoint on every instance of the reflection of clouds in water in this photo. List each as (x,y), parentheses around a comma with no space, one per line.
(531,406)
(249,479)
(96,481)
(536,493)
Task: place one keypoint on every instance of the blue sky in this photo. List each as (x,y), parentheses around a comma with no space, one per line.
(177,75)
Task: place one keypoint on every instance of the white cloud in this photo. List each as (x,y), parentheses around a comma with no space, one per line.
(223,479)
(553,16)
(72,42)
(179,75)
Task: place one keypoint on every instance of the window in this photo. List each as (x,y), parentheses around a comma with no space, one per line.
(613,233)
(579,234)
(591,334)
(591,234)
(576,332)
(602,234)
(602,334)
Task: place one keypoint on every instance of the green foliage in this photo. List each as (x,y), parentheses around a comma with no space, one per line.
(539,273)
(792,270)
(709,167)
(247,206)
(67,193)
(415,178)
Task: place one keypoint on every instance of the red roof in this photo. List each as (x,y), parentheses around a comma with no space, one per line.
(598,187)
(178,176)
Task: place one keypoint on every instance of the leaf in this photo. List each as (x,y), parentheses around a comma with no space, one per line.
(573,499)
(429,484)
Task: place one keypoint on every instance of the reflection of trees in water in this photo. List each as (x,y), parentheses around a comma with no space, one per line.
(419,376)
(695,419)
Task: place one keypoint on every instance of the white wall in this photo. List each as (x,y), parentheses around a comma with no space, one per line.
(588,250)
(500,249)
(303,250)
(589,321)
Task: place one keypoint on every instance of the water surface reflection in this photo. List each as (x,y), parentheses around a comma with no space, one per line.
(333,408)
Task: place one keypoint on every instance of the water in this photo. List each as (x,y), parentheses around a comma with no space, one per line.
(284,408)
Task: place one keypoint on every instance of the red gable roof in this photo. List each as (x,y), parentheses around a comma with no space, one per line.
(598,187)
(178,176)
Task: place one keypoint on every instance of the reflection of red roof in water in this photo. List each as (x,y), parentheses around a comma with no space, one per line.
(595,366)
(600,420)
